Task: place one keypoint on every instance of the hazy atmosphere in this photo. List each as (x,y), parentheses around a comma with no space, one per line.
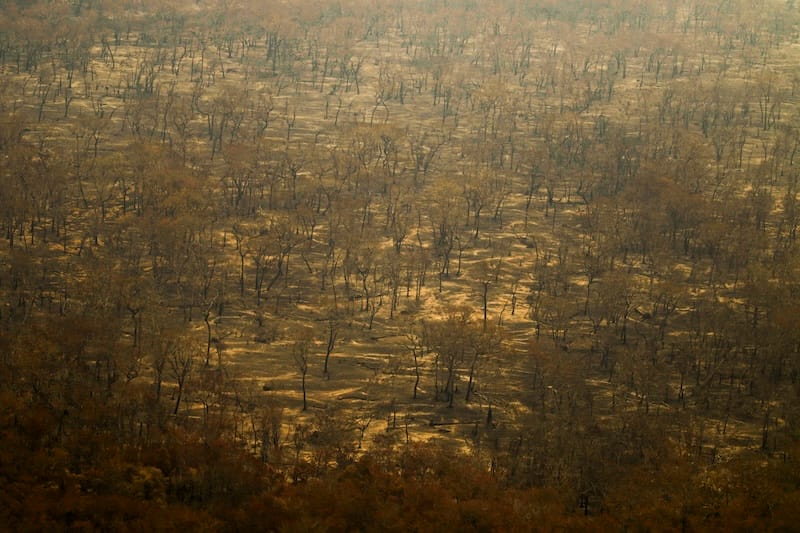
(421,265)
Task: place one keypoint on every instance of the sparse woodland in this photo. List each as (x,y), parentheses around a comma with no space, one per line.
(399,265)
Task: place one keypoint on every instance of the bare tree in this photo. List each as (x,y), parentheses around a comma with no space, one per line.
(301,347)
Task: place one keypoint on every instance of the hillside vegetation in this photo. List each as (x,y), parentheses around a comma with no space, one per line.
(399,265)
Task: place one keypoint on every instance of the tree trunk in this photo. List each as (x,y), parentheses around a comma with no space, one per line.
(305,402)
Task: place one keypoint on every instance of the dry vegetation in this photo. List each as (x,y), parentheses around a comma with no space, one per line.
(289,258)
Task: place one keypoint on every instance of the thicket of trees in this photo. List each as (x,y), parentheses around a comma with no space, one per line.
(179,478)
(570,229)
